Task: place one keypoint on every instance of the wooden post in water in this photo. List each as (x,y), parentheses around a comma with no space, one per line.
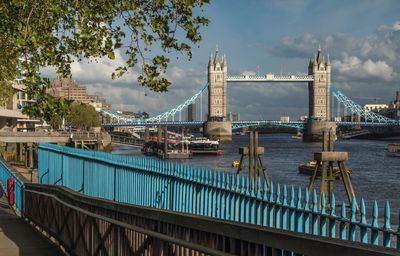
(166,142)
(158,140)
(254,153)
(326,159)
(146,134)
(251,157)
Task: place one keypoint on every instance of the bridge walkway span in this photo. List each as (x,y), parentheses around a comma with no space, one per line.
(17,237)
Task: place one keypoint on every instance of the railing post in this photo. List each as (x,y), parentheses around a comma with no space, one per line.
(332,220)
(386,226)
(374,229)
(299,212)
(363,221)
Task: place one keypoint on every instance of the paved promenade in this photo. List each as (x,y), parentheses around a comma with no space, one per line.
(18,238)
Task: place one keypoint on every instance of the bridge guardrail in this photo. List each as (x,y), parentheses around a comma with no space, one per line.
(5,173)
(92,226)
(176,187)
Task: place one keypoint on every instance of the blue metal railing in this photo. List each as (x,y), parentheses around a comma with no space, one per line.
(201,191)
(5,174)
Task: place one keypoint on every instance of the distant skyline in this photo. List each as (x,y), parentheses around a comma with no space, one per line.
(361,36)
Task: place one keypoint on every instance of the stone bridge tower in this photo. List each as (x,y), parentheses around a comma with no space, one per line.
(319,89)
(319,118)
(217,126)
(217,90)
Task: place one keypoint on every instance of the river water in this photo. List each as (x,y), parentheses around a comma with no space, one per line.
(375,175)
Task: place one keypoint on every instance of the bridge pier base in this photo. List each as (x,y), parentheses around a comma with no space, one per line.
(314,129)
(218,130)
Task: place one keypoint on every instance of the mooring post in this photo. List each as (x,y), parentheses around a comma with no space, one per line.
(255,158)
(251,155)
(166,142)
(158,139)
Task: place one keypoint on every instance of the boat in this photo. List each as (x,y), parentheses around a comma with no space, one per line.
(235,163)
(297,136)
(309,168)
(204,146)
(393,149)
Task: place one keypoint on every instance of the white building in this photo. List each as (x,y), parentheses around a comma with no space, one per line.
(375,107)
(11,117)
(285,119)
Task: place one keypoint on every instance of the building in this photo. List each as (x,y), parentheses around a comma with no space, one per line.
(375,107)
(285,119)
(11,116)
(233,117)
(319,89)
(191,112)
(393,110)
(303,118)
(217,91)
(69,89)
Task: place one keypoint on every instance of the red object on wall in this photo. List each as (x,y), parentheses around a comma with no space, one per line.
(10,190)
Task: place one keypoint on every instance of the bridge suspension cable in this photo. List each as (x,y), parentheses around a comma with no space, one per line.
(355,108)
(163,116)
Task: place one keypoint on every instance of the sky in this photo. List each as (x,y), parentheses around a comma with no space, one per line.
(362,38)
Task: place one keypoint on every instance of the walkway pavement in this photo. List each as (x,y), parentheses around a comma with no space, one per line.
(19,238)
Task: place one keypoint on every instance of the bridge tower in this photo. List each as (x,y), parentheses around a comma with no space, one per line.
(319,118)
(217,125)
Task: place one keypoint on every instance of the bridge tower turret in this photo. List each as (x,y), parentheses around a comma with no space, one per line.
(217,125)
(319,89)
(217,89)
(319,118)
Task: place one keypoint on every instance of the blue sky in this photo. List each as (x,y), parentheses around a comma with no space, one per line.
(361,36)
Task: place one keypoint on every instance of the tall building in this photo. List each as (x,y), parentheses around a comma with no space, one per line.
(319,89)
(191,112)
(234,116)
(217,89)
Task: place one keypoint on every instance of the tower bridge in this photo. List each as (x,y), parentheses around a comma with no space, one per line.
(318,79)
(217,125)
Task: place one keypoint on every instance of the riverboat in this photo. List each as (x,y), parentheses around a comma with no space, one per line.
(297,136)
(393,149)
(309,168)
(204,146)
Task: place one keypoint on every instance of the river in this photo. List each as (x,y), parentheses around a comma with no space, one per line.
(375,175)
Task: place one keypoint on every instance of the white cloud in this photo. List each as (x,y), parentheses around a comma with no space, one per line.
(353,68)
(360,65)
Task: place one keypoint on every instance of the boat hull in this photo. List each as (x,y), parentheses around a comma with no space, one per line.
(207,152)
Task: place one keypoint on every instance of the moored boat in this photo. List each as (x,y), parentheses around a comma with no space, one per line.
(204,146)
(393,149)
(309,168)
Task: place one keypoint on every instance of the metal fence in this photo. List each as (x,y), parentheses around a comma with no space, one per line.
(200,191)
(7,173)
(91,226)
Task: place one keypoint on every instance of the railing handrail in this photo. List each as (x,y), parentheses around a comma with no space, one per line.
(304,244)
(7,172)
(233,198)
(135,228)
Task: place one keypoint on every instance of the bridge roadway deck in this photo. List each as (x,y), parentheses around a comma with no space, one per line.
(18,238)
